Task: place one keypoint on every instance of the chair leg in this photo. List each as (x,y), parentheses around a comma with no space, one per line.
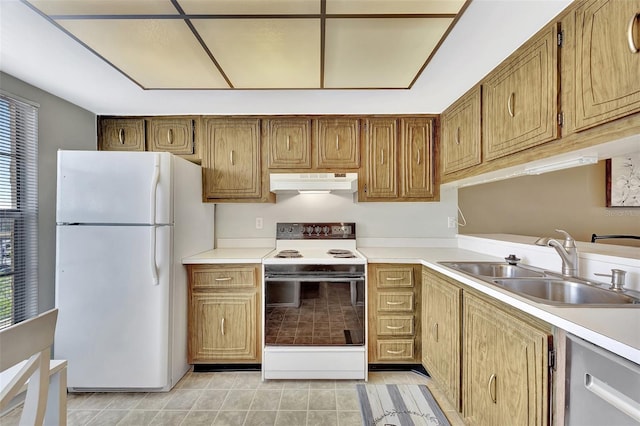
(56,414)
(35,402)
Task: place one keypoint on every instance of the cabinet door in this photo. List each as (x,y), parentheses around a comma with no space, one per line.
(380,140)
(338,143)
(175,135)
(519,99)
(122,134)
(225,327)
(416,147)
(288,141)
(441,334)
(479,371)
(232,158)
(461,141)
(607,55)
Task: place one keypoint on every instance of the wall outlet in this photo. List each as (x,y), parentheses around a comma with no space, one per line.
(451,222)
(259,223)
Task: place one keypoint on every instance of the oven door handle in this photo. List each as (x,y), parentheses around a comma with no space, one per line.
(313,279)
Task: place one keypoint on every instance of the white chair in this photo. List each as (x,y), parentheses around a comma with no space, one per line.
(25,350)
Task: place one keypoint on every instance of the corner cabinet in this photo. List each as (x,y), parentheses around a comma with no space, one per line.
(441,332)
(394,314)
(122,134)
(505,373)
(232,162)
(519,98)
(461,137)
(224,307)
(607,61)
(399,160)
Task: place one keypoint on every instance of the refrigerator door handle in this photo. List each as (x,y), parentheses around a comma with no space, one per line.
(152,247)
(154,187)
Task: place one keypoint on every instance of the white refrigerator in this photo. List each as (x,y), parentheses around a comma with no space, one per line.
(124,222)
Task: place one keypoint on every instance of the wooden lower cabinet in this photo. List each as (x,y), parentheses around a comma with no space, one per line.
(441,321)
(505,367)
(224,307)
(394,313)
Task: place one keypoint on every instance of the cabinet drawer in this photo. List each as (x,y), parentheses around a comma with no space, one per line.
(395,301)
(396,326)
(395,350)
(394,277)
(222,277)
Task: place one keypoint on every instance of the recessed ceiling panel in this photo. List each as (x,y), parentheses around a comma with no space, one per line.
(105,7)
(380,53)
(393,7)
(265,53)
(155,53)
(251,7)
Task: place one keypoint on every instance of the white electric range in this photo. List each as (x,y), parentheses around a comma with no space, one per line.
(314,304)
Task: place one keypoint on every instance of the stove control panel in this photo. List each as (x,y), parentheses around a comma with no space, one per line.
(316,231)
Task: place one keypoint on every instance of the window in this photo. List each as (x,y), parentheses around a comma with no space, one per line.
(18,210)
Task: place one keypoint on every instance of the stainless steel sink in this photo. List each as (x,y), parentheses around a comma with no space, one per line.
(494,269)
(546,287)
(554,291)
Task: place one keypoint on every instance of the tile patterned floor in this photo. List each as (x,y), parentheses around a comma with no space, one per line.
(236,398)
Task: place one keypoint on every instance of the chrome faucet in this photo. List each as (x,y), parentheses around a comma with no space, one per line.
(567,251)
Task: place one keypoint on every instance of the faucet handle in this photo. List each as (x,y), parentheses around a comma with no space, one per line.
(568,239)
(617,279)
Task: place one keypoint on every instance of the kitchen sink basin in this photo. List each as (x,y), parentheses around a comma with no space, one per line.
(494,269)
(555,291)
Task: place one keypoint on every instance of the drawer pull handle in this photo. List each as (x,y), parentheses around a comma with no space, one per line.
(231,158)
(394,303)
(224,279)
(121,136)
(222,326)
(612,396)
(382,157)
(632,43)
(395,352)
(337,143)
(435,331)
(510,104)
(288,143)
(492,388)
(458,136)
(395,327)
(418,161)
(394,278)
(170,136)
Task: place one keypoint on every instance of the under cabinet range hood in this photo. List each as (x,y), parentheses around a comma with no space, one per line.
(313,182)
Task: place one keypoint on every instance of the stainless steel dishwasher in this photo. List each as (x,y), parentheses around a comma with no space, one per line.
(601,388)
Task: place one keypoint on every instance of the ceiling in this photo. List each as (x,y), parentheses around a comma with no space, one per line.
(259,44)
(47,57)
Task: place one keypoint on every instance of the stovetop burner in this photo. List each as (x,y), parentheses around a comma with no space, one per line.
(288,254)
(341,253)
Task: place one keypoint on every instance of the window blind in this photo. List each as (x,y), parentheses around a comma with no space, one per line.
(18,210)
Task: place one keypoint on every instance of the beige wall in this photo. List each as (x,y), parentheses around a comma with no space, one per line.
(573,200)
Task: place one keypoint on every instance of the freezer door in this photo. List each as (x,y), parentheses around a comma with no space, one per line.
(114,187)
(113,322)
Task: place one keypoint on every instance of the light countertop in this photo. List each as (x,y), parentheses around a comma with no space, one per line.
(229,255)
(615,329)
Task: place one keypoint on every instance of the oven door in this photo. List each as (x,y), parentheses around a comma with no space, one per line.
(314,309)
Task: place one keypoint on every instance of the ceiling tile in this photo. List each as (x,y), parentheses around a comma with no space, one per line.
(250,7)
(155,53)
(265,53)
(393,7)
(105,7)
(384,53)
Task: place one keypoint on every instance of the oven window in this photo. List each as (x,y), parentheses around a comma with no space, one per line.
(314,313)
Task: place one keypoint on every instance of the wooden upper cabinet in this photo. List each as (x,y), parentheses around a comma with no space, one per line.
(519,98)
(337,143)
(122,134)
(416,154)
(381,157)
(231,160)
(461,136)
(175,135)
(607,61)
(288,141)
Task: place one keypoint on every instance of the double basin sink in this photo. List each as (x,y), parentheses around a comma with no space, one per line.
(545,287)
